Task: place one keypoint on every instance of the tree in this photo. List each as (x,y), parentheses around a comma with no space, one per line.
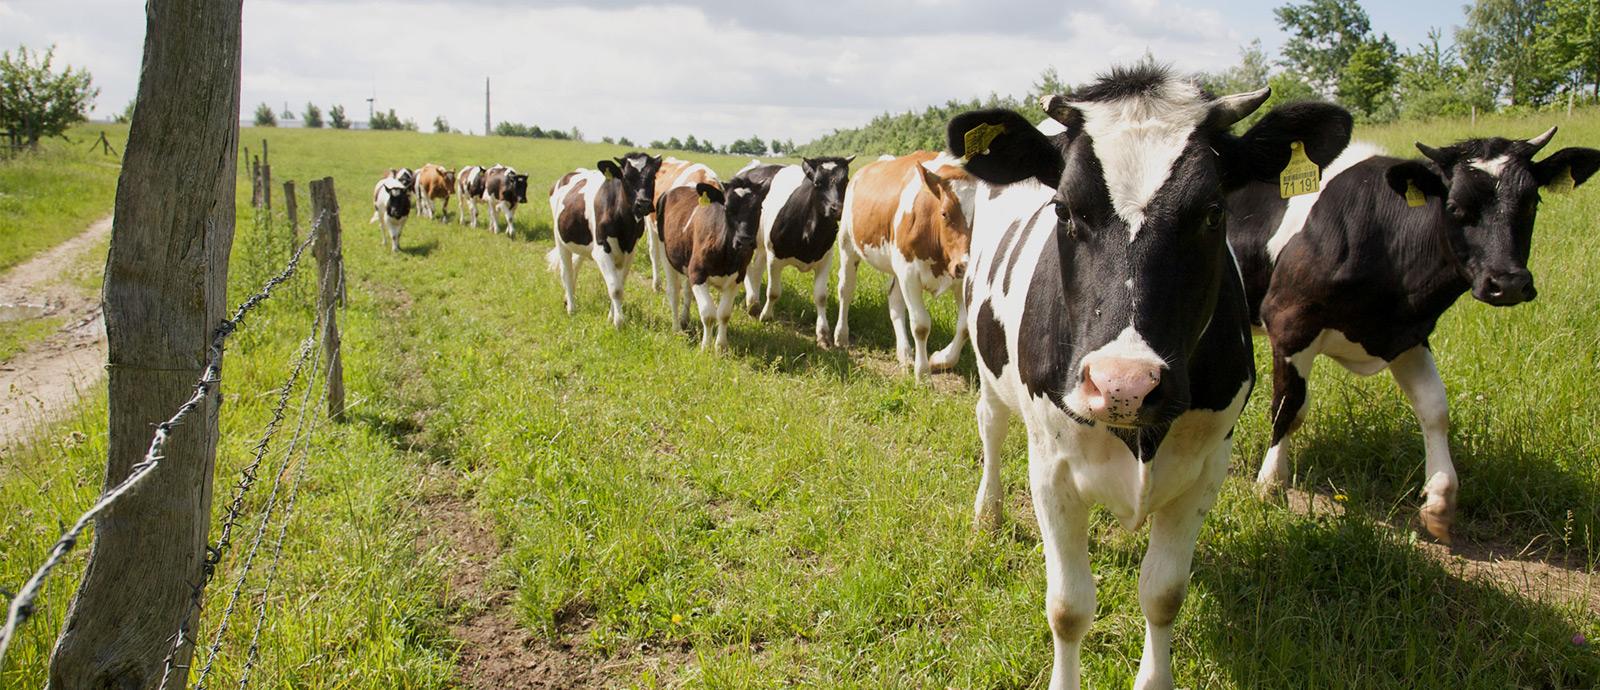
(674,144)
(1433,83)
(313,116)
(265,117)
(1323,36)
(287,113)
(576,134)
(1572,42)
(165,291)
(690,143)
(337,119)
(624,141)
(1366,84)
(1252,72)
(35,102)
(441,125)
(126,115)
(1502,42)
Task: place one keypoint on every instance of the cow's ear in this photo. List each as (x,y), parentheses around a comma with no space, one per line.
(931,180)
(809,167)
(1575,163)
(1263,152)
(609,169)
(709,194)
(1414,175)
(1001,147)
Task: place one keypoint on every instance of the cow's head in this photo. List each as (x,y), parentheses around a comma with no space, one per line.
(742,203)
(517,187)
(1140,173)
(1487,192)
(399,204)
(637,172)
(449,179)
(949,194)
(829,175)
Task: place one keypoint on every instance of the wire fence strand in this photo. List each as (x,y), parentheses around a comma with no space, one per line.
(22,605)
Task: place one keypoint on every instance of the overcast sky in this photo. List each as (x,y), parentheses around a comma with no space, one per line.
(719,69)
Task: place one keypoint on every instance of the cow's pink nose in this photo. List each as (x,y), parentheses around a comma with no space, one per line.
(1115,389)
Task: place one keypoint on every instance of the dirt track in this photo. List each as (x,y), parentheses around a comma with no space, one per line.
(45,380)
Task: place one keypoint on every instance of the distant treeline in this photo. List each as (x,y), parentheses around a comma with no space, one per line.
(514,129)
(1508,55)
(754,146)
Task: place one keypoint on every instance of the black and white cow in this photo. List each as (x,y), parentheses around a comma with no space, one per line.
(600,213)
(391,204)
(1108,313)
(469,186)
(503,189)
(1362,271)
(799,223)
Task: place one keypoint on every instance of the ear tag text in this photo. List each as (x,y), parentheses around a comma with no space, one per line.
(1300,176)
(977,140)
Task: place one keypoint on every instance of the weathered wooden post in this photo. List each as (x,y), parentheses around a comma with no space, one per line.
(330,278)
(292,210)
(165,294)
(255,182)
(266,180)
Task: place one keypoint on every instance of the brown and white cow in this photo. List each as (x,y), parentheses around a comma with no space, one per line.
(469,186)
(674,173)
(910,217)
(434,181)
(600,214)
(503,189)
(708,234)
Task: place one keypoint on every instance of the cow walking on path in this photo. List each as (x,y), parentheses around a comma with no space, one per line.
(1108,313)
(909,217)
(1362,270)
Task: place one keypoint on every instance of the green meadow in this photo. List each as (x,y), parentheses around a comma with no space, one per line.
(783,515)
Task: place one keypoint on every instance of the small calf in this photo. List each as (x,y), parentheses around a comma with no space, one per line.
(391,202)
(504,188)
(434,181)
(707,236)
(469,186)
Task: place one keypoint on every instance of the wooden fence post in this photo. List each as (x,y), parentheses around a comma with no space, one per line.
(266,179)
(165,294)
(330,278)
(292,210)
(255,182)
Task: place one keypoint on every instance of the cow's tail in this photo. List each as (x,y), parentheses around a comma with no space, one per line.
(552,259)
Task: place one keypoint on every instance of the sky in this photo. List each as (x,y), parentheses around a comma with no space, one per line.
(653,69)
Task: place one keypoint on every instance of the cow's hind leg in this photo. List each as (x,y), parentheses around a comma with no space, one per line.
(1290,372)
(567,264)
(993,419)
(1418,378)
(774,288)
(1069,584)
(849,261)
(897,319)
(614,277)
(819,298)
(752,281)
(1164,574)
(674,293)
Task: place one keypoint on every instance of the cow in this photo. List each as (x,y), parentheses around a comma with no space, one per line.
(1107,312)
(469,186)
(405,176)
(600,213)
(799,223)
(503,189)
(674,173)
(708,234)
(391,203)
(911,218)
(1362,270)
(434,182)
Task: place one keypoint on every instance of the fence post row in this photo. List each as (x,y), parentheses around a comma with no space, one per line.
(330,272)
(266,179)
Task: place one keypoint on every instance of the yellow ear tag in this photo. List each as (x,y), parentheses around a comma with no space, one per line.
(1563,183)
(1300,176)
(607,173)
(1414,197)
(977,140)
(704,200)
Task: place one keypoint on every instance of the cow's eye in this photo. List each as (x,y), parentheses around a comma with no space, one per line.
(1063,210)
(1214,217)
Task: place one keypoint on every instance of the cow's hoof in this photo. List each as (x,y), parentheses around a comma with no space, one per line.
(1272,491)
(938,363)
(1438,511)
(823,341)
(841,339)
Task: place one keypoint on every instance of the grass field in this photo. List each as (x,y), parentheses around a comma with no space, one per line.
(789,516)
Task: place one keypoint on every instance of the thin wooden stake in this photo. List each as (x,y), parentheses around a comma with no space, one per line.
(330,276)
(291,208)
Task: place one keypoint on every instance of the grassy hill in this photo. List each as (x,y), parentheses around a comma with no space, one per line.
(785,515)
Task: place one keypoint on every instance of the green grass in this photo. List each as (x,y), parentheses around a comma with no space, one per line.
(52,194)
(787,516)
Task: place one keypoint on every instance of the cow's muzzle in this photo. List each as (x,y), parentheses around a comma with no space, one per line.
(1120,392)
(1506,289)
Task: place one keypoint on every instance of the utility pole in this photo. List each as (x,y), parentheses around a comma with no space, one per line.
(486,106)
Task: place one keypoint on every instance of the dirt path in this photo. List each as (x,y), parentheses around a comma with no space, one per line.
(48,377)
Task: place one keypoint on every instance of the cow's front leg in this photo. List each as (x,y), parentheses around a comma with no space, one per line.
(658,264)
(494,217)
(567,264)
(511,222)
(849,261)
(993,418)
(707,307)
(1418,378)
(752,281)
(724,312)
(921,323)
(897,320)
(614,277)
(951,354)
(774,288)
(1069,584)
(1164,574)
(819,298)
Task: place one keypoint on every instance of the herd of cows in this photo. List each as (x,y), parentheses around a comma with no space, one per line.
(1113,261)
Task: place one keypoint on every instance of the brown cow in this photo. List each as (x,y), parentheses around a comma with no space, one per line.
(434,182)
(708,235)
(674,173)
(910,217)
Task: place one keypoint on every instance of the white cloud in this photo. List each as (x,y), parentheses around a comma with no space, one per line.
(722,69)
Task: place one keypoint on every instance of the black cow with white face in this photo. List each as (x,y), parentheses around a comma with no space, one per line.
(1107,312)
(799,223)
(600,214)
(1362,271)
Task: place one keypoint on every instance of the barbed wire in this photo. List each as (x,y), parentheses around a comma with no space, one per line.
(247,480)
(22,605)
(219,636)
